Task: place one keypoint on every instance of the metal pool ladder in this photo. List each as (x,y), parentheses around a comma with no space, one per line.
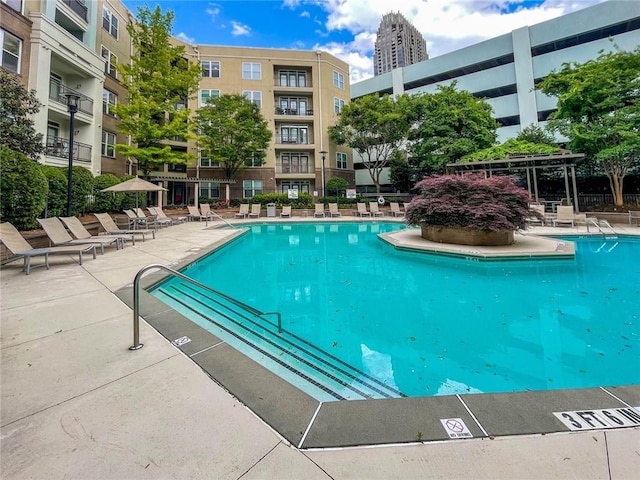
(136,300)
(599,224)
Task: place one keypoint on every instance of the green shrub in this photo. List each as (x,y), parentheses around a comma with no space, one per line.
(23,189)
(57,198)
(82,189)
(304,200)
(128,200)
(106,201)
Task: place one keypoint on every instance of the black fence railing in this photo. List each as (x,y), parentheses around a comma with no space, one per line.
(58,91)
(588,200)
(59,147)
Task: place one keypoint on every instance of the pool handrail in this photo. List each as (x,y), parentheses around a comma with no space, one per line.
(136,300)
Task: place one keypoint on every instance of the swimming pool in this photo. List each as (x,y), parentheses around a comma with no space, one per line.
(383,323)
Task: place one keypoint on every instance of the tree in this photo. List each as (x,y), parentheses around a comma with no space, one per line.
(401,173)
(449,125)
(375,127)
(233,132)
(513,146)
(536,134)
(337,184)
(16,127)
(159,82)
(599,111)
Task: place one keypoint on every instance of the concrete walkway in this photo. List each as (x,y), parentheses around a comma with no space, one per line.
(76,403)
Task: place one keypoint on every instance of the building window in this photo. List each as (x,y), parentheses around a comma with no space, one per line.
(110,61)
(254,161)
(251,71)
(254,97)
(209,190)
(299,135)
(205,161)
(338,104)
(211,69)
(109,22)
(251,187)
(109,100)
(108,143)
(302,186)
(294,163)
(205,95)
(11,51)
(14,4)
(338,80)
(341,160)
(293,78)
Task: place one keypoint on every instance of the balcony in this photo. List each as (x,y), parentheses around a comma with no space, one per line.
(293,112)
(59,147)
(78,7)
(57,92)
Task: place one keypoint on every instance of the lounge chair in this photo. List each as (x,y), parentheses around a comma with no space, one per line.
(148,220)
(110,227)
(255,210)
(161,219)
(79,231)
(205,210)
(634,216)
(538,214)
(58,235)
(375,211)
(244,211)
(395,210)
(362,210)
(333,210)
(194,213)
(135,220)
(286,211)
(319,211)
(18,246)
(565,216)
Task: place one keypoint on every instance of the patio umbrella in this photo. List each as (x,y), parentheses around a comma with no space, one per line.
(134,185)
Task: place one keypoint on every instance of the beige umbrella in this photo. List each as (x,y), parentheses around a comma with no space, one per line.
(134,185)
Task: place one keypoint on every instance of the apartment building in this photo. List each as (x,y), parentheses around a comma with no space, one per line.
(299,94)
(398,44)
(15,32)
(505,69)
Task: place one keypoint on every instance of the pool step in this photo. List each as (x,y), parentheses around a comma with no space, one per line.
(288,355)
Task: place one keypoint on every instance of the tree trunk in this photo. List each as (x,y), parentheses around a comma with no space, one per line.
(618,199)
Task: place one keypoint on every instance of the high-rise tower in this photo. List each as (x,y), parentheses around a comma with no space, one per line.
(398,44)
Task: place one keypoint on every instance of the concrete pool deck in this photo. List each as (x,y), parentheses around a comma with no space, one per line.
(76,403)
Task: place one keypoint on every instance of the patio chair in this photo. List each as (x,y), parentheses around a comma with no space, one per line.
(286,211)
(110,227)
(395,210)
(255,210)
(58,235)
(333,210)
(375,211)
(205,209)
(565,216)
(18,246)
(319,211)
(244,211)
(79,231)
(161,220)
(634,216)
(362,210)
(135,220)
(194,213)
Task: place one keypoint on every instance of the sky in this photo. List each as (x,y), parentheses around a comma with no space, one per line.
(347,28)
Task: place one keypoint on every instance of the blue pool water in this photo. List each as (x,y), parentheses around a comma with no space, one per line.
(427,325)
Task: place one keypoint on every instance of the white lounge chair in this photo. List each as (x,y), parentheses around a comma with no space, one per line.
(333,210)
(58,235)
(375,211)
(564,216)
(244,211)
(111,228)
(79,231)
(286,211)
(395,209)
(362,210)
(319,211)
(255,210)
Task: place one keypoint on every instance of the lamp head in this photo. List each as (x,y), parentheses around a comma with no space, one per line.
(72,101)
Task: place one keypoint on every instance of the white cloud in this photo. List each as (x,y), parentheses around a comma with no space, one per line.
(239,29)
(447,25)
(213,10)
(185,38)
(305,14)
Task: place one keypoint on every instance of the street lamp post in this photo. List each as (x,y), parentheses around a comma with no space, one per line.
(72,105)
(324,156)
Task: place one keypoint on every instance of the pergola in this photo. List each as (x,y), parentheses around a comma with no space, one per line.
(566,161)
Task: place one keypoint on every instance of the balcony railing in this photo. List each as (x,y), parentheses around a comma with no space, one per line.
(293,111)
(294,169)
(77,6)
(57,92)
(59,147)
(292,141)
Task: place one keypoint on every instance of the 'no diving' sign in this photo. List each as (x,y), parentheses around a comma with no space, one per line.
(455,428)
